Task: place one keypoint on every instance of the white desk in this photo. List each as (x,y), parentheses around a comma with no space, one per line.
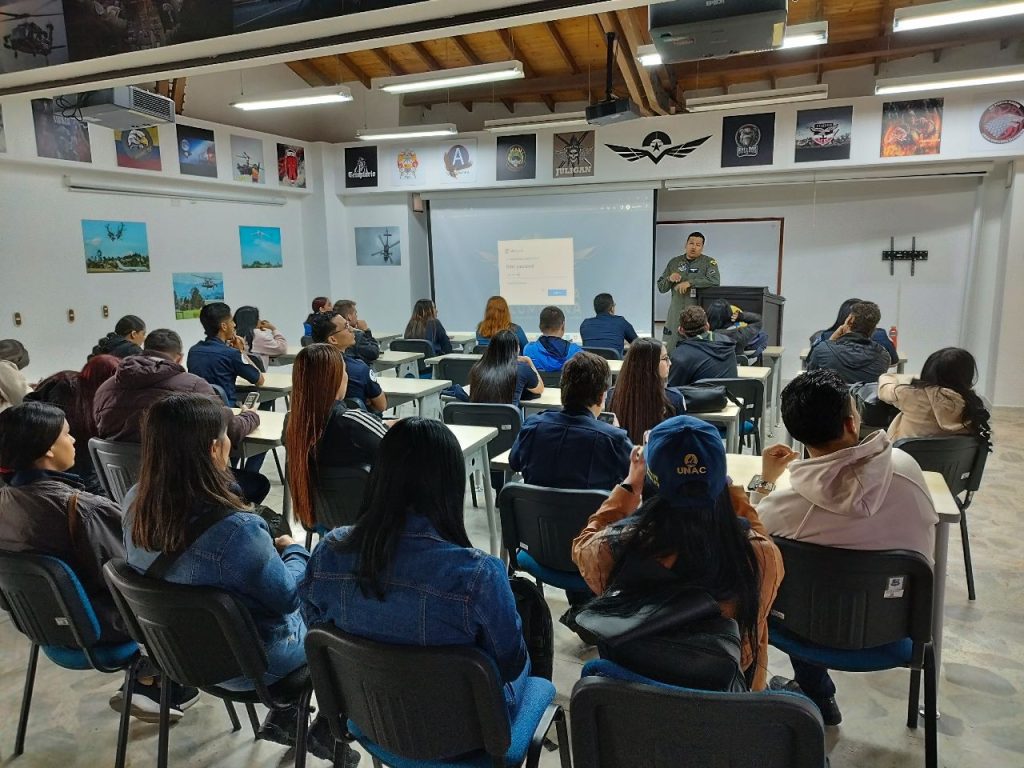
(462,338)
(901,364)
(403,363)
(288,357)
(774,357)
(473,441)
(274,385)
(615,366)
(425,392)
(385,339)
(266,437)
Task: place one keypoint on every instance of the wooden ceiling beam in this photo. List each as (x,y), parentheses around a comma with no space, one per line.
(561,47)
(549,101)
(354,69)
(509,42)
(391,66)
(426,57)
(178,87)
(511,89)
(626,66)
(509,105)
(463,47)
(656,97)
(310,73)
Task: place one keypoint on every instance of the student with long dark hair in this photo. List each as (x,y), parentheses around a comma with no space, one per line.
(879,336)
(941,401)
(497,318)
(187,506)
(503,375)
(319,304)
(406,573)
(424,325)
(640,398)
(322,431)
(262,338)
(697,531)
(126,340)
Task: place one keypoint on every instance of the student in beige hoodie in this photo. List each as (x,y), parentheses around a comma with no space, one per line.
(940,402)
(849,494)
(13,387)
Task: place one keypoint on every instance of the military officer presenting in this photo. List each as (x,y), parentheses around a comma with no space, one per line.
(683,275)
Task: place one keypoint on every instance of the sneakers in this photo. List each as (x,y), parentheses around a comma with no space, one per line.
(320,743)
(830,713)
(279,726)
(183,697)
(146,703)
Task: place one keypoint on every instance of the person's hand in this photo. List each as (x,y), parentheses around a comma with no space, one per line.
(527,360)
(266,325)
(362,326)
(774,461)
(683,287)
(283,542)
(239,343)
(637,468)
(675,277)
(843,329)
(389,423)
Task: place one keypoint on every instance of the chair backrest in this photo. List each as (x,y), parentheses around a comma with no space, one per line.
(222,395)
(46,601)
(419,703)
(605,352)
(551,378)
(617,723)
(544,521)
(750,391)
(960,459)
(339,495)
(853,599)
(199,636)
(306,341)
(415,345)
(506,418)
(117,465)
(454,369)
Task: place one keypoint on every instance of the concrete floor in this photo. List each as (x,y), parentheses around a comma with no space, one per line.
(981,693)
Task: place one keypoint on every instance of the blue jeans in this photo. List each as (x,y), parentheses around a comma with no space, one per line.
(284,656)
(813,680)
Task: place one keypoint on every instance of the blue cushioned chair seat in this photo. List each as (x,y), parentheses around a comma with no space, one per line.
(748,428)
(537,696)
(893,655)
(560,579)
(113,655)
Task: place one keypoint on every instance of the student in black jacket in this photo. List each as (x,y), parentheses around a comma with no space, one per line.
(125,341)
(700,354)
(850,351)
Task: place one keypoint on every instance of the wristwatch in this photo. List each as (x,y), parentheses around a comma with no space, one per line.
(627,486)
(764,486)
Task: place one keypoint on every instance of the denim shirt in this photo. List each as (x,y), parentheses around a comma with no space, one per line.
(438,593)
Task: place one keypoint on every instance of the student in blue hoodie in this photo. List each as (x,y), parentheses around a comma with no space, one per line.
(550,351)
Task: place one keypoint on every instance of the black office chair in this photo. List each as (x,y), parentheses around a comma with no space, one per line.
(201,636)
(506,418)
(960,459)
(551,378)
(338,497)
(455,369)
(605,352)
(860,611)
(416,345)
(48,605)
(412,706)
(306,341)
(622,720)
(538,526)
(117,466)
(751,392)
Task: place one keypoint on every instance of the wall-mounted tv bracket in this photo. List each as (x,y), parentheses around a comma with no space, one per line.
(913,255)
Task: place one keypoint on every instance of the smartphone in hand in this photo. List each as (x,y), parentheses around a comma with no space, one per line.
(251,400)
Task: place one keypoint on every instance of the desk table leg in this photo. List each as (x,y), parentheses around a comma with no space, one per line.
(429,406)
(492,512)
(939,597)
(776,366)
(732,436)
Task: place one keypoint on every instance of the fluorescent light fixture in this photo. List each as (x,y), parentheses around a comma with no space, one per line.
(407,132)
(450,78)
(140,190)
(757,98)
(307,97)
(964,79)
(803,35)
(557,120)
(648,56)
(952,12)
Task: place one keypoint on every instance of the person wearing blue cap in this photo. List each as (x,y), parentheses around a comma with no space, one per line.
(697,529)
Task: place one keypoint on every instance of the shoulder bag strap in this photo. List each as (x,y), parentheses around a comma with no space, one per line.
(159,567)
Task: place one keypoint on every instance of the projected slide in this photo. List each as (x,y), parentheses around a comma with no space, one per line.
(536,271)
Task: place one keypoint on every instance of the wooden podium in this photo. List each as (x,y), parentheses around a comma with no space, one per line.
(750,299)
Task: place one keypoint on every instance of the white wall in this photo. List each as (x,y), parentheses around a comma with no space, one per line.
(1009,386)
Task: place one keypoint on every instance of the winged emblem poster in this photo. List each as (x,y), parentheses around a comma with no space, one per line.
(656,147)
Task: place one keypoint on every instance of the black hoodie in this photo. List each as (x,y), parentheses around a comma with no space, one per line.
(115,345)
(854,357)
(697,358)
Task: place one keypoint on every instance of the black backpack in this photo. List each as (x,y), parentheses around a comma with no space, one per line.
(537,627)
(873,412)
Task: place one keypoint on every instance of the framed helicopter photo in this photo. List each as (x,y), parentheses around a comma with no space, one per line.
(113,247)
(378,247)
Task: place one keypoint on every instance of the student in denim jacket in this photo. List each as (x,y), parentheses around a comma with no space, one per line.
(406,573)
(184,479)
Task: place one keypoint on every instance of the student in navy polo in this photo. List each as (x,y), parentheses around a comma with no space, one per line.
(606,329)
(221,357)
(331,328)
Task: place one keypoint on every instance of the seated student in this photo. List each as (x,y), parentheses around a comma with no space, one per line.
(262,339)
(879,336)
(185,523)
(503,375)
(74,393)
(850,493)
(690,532)
(13,387)
(320,304)
(366,348)
(142,380)
(333,329)
(126,339)
(424,325)
(322,431)
(942,401)
(606,329)
(550,351)
(700,354)
(222,356)
(572,448)
(497,317)
(640,400)
(744,328)
(406,573)
(39,499)
(850,351)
